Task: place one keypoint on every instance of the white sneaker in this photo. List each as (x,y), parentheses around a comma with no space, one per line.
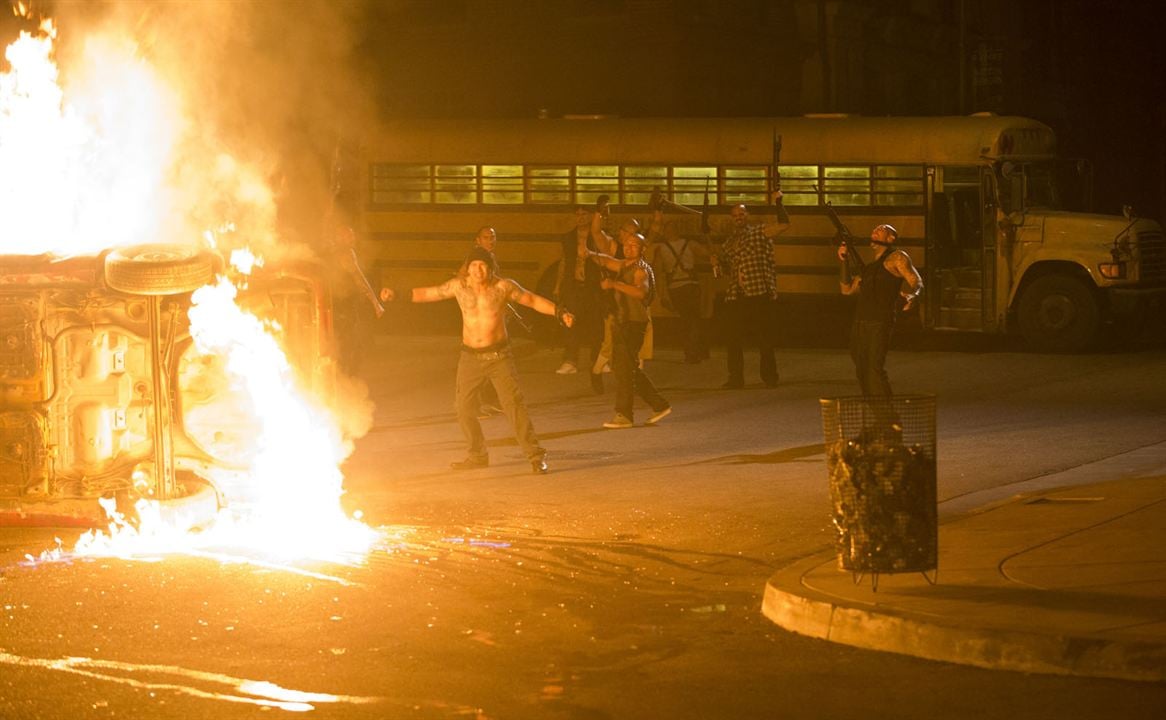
(618,422)
(659,416)
(567,368)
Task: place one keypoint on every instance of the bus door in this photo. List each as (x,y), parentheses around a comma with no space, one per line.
(960,251)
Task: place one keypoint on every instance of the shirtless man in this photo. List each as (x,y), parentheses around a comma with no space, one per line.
(486,355)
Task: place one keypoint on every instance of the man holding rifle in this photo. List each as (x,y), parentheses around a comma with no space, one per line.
(878,286)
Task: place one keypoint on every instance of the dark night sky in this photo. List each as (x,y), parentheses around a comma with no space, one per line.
(1093,70)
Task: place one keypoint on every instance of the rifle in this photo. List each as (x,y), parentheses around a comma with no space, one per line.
(854,263)
(782,215)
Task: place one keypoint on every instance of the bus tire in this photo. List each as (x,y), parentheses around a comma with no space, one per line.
(158,269)
(1059,313)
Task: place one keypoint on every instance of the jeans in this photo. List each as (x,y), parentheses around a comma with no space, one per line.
(474,370)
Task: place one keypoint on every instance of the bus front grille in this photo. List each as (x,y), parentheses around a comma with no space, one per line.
(1152,248)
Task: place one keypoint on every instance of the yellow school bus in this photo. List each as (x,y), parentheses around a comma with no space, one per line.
(975,199)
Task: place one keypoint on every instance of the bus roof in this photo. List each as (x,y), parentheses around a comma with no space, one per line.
(972,139)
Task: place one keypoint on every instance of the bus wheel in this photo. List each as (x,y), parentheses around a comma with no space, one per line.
(1059,313)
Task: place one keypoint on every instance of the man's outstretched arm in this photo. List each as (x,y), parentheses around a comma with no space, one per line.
(538,303)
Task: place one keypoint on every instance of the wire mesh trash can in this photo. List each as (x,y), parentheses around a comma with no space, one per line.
(880,454)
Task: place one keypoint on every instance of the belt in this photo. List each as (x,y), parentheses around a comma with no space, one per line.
(490,352)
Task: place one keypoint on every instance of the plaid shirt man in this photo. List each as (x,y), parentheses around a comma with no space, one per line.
(751,267)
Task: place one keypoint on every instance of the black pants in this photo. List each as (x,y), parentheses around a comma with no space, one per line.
(626,340)
(583,302)
(756,316)
(869,342)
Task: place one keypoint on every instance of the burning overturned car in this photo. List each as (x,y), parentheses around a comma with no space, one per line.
(105,390)
(165,333)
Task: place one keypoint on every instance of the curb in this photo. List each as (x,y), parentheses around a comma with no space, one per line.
(809,613)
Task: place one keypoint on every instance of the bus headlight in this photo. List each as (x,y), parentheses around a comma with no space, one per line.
(1112,270)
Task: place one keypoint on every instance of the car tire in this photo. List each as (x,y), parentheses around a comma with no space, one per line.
(1059,313)
(158,269)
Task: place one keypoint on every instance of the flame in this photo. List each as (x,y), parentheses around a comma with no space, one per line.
(98,167)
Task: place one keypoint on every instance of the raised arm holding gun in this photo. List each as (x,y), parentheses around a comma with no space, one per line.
(880,297)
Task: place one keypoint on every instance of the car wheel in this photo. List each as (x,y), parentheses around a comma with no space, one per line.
(158,269)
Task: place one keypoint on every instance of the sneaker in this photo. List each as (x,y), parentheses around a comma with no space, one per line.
(600,365)
(486,411)
(470,463)
(659,415)
(539,465)
(567,368)
(618,422)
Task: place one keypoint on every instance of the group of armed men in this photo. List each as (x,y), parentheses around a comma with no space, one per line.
(603,292)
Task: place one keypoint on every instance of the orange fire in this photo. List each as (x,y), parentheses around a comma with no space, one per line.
(104,164)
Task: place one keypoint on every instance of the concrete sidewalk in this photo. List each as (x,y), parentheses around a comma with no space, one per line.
(1067,578)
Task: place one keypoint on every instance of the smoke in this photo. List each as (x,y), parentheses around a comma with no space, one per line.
(267,93)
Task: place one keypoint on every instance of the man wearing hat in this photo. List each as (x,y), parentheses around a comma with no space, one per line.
(880,297)
(486,355)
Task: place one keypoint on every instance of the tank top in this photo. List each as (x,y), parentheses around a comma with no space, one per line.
(879,293)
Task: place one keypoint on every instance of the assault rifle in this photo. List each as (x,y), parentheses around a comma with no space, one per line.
(854,263)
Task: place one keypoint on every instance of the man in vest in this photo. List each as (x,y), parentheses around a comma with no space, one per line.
(879,298)
(633,287)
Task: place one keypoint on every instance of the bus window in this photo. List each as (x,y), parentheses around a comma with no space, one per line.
(640,181)
(591,181)
(401,184)
(847,185)
(502,184)
(799,184)
(455,184)
(744,185)
(898,185)
(1040,186)
(550,185)
(688,184)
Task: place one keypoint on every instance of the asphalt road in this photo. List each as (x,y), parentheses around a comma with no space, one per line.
(625,584)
